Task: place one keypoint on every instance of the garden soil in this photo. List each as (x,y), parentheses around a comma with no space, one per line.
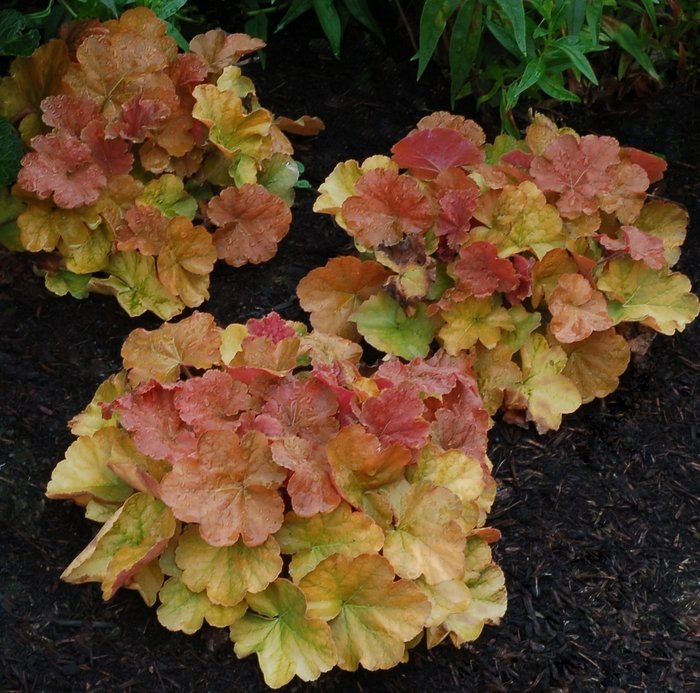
(600,519)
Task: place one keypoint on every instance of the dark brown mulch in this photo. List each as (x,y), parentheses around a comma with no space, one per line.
(600,520)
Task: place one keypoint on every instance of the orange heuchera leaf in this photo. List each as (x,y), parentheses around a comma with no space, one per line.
(577,309)
(580,171)
(640,246)
(219,50)
(211,402)
(306,408)
(186,261)
(427,152)
(444,119)
(653,165)
(306,125)
(68,114)
(150,414)
(627,196)
(62,165)
(359,463)
(481,272)
(311,486)
(194,341)
(146,230)
(385,208)
(334,292)
(111,155)
(395,416)
(251,223)
(229,488)
(138,118)
(454,217)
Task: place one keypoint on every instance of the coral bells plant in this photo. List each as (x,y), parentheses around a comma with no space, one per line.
(543,259)
(254,477)
(145,165)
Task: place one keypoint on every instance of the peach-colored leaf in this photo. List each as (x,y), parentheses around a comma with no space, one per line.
(653,165)
(251,223)
(577,309)
(444,119)
(229,487)
(386,206)
(640,246)
(481,272)
(219,50)
(310,486)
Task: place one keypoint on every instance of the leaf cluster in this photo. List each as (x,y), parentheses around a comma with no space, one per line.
(543,259)
(254,478)
(144,164)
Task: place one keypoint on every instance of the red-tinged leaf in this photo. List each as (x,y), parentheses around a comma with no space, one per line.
(428,377)
(523,267)
(138,118)
(577,310)
(306,408)
(385,208)
(310,486)
(187,71)
(653,165)
(62,165)
(427,152)
(481,272)
(454,217)
(359,464)
(219,50)
(229,487)
(628,195)
(272,326)
(146,230)
(251,223)
(68,114)
(444,119)
(580,171)
(640,245)
(518,158)
(395,416)
(111,155)
(211,402)
(150,414)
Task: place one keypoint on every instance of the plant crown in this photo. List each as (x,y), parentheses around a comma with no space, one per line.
(145,165)
(254,478)
(533,257)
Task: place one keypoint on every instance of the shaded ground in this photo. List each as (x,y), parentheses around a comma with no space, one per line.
(600,520)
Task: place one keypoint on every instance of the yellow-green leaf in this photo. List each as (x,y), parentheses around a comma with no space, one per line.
(371,614)
(473,320)
(286,641)
(167,194)
(91,419)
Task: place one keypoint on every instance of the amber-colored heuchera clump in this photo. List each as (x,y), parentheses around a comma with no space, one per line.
(543,259)
(252,476)
(144,164)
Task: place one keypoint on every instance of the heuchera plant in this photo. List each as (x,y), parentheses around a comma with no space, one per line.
(255,478)
(531,257)
(145,165)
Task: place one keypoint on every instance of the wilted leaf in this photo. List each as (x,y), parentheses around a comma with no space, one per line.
(229,487)
(427,540)
(286,641)
(334,292)
(312,539)
(371,615)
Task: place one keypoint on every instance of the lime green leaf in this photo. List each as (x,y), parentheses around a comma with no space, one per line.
(286,641)
(135,284)
(167,194)
(387,327)
(658,298)
(371,615)
(65,282)
(312,539)
(136,534)
(84,472)
(427,540)
(279,175)
(666,221)
(182,609)
(90,256)
(227,572)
